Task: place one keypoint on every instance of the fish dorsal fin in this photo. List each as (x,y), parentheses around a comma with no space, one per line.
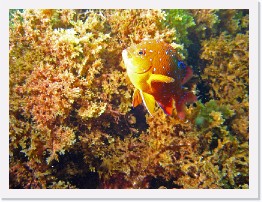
(188,75)
(149,102)
(160,78)
(137,99)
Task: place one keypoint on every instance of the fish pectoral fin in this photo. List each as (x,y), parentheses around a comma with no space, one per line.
(149,102)
(137,99)
(161,78)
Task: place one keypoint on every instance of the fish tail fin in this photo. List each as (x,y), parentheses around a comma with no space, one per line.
(186,98)
(188,75)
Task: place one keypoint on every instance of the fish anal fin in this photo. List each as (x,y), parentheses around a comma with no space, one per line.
(167,106)
(188,75)
(137,99)
(161,78)
(149,102)
(186,98)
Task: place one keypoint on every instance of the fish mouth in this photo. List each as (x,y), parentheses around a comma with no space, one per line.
(145,71)
(129,65)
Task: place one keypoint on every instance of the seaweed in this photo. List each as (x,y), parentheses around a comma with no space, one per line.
(70,110)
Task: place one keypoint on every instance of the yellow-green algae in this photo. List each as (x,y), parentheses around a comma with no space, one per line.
(70,101)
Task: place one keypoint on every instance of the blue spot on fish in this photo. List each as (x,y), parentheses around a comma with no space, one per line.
(181,65)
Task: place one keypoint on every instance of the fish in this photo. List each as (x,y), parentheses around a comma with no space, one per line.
(158,76)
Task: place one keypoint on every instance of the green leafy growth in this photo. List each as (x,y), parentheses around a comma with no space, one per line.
(12,12)
(181,21)
(204,113)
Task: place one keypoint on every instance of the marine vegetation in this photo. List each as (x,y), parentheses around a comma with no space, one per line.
(72,124)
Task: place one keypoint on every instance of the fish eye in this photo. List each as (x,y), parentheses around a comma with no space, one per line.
(142,52)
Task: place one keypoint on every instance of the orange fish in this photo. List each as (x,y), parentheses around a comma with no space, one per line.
(158,76)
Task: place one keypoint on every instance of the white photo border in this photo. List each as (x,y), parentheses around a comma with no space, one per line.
(254,178)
